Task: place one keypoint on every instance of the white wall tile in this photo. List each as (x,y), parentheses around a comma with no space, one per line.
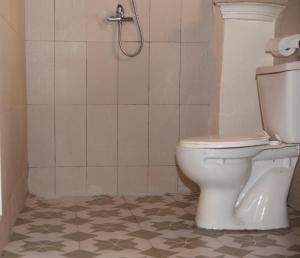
(134,76)
(102,180)
(39,20)
(165,20)
(70,123)
(102,65)
(102,135)
(21,138)
(133,135)
(41,182)
(70,73)
(70,181)
(40,136)
(98,29)
(164,73)
(128,175)
(197,20)
(197,74)
(70,20)
(40,72)
(163,134)
(102,97)
(193,120)
(162,179)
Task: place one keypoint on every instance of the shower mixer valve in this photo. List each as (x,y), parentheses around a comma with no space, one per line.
(120,16)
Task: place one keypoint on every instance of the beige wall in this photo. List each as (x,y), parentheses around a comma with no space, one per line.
(12,114)
(289,23)
(103,123)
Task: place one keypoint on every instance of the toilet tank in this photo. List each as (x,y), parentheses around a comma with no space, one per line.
(279,95)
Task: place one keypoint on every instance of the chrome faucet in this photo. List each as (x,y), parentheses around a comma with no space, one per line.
(120,16)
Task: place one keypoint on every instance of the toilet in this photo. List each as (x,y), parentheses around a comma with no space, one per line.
(244,180)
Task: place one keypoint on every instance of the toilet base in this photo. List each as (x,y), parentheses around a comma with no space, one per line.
(262,207)
(215,209)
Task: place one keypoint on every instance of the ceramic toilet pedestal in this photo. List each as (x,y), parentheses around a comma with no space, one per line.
(241,187)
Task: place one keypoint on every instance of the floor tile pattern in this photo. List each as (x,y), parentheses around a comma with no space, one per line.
(137,227)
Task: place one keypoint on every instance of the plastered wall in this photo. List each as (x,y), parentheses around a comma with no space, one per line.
(12,115)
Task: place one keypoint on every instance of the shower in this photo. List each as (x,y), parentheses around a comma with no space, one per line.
(120,18)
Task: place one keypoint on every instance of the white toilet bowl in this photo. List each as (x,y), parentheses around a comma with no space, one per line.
(244,181)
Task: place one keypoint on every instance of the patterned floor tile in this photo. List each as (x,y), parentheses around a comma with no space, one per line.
(188,198)
(105,201)
(229,250)
(50,229)
(116,226)
(125,246)
(158,253)
(80,254)
(144,234)
(7,254)
(104,214)
(41,246)
(201,252)
(77,221)
(79,236)
(150,200)
(137,227)
(47,214)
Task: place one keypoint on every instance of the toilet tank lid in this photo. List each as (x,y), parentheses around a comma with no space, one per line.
(229,141)
(278,68)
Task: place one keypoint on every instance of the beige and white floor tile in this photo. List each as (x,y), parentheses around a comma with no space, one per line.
(137,227)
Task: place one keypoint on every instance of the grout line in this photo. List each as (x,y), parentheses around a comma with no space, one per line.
(176,104)
(136,221)
(86,106)
(54,100)
(179,87)
(86,117)
(117,106)
(125,41)
(149,85)
(99,166)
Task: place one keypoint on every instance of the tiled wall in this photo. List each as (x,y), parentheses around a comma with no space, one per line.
(13,170)
(100,122)
(289,23)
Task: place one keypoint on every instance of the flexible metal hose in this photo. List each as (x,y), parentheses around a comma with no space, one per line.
(141,42)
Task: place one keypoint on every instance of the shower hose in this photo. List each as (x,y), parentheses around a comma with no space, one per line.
(141,42)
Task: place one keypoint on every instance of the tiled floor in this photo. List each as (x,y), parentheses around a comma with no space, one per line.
(137,227)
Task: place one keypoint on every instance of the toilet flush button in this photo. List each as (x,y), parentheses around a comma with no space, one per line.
(275,142)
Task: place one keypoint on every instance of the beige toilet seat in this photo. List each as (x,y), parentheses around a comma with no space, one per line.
(218,142)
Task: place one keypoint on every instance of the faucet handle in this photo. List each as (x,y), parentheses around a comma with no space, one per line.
(120,10)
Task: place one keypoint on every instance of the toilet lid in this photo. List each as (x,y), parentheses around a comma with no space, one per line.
(218,142)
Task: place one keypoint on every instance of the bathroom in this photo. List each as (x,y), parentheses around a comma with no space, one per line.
(89,135)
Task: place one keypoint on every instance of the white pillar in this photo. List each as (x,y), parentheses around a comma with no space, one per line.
(247,28)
